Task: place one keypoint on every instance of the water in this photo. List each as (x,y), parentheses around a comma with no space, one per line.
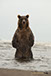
(41,54)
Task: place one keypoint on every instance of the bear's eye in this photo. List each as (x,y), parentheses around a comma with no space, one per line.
(25,19)
(21,19)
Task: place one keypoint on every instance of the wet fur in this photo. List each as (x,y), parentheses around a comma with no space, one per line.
(23,40)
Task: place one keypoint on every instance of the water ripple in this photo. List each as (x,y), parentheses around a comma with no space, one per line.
(41,54)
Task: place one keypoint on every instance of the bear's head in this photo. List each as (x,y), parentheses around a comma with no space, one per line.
(23,21)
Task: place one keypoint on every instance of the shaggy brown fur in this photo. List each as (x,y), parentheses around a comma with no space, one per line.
(23,39)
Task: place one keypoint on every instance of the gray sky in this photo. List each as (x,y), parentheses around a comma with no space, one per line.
(40,18)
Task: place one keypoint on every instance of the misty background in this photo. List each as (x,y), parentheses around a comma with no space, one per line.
(39,18)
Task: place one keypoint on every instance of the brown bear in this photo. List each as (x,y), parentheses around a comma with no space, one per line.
(23,39)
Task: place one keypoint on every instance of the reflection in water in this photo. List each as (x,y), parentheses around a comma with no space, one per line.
(41,54)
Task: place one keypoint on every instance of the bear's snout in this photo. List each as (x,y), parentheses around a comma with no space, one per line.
(24,21)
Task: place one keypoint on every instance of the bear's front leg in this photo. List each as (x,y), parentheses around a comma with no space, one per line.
(15,42)
(31,39)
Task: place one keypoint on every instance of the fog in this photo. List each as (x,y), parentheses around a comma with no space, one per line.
(39,18)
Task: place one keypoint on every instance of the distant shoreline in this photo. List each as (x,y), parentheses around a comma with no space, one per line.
(36,43)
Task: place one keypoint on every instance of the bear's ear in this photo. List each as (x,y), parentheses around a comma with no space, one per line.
(27,16)
(19,16)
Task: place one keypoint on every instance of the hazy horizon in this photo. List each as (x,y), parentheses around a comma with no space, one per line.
(39,18)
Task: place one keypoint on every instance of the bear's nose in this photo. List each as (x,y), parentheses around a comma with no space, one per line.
(23,21)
